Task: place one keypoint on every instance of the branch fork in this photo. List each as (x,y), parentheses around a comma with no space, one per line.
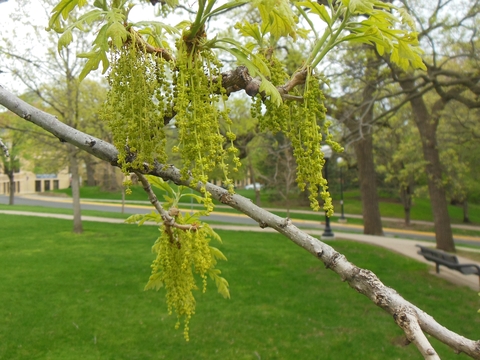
(167,216)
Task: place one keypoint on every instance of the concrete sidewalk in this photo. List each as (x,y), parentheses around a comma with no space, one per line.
(402,246)
(49,197)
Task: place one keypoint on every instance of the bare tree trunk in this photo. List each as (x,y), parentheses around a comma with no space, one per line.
(427,124)
(406,195)
(77,214)
(289,175)
(466,217)
(90,169)
(110,182)
(11,179)
(254,181)
(372,222)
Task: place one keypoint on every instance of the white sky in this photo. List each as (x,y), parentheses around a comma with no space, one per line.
(12,26)
(12,29)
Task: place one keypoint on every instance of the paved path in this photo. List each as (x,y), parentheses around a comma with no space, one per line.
(402,246)
(134,207)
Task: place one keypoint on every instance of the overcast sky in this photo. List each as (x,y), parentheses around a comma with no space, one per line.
(12,26)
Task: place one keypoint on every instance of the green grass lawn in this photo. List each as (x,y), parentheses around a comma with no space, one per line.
(68,296)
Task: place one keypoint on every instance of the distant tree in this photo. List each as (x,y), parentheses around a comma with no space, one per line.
(449,37)
(354,106)
(11,162)
(57,87)
(398,157)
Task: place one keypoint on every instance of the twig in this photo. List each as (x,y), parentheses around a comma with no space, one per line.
(168,220)
(298,78)
(142,45)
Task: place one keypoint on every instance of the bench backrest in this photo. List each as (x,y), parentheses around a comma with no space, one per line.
(435,254)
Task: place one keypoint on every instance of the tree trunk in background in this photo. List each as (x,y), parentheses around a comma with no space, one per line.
(406,196)
(466,217)
(253,181)
(77,215)
(11,179)
(90,169)
(110,182)
(427,124)
(372,222)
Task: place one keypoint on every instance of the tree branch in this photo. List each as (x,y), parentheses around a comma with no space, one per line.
(363,281)
(409,323)
(168,220)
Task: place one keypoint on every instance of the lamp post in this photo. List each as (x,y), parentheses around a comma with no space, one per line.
(327,154)
(342,218)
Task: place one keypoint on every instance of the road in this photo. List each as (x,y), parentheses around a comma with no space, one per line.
(219,217)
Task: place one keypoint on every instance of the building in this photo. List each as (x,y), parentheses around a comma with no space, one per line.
(26,182)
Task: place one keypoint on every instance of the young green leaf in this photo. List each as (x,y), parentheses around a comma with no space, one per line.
(117,32)
(318,9)
(172,30)
(65,40)
(63,10)
(161,184)
(250,29)
(279,16)
(217,254)
(270,90)
(94,59)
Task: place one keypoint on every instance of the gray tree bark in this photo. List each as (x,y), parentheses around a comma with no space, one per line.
(427,123)
(372,221)
(11,181)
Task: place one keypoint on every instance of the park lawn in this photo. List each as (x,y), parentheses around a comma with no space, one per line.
(67,296)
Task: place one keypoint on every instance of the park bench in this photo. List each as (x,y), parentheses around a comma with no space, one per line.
(448,260)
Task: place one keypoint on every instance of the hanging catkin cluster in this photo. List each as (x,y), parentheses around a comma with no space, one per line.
(303,122)
(180,256)
(145,90)
(139,99)
(200,108)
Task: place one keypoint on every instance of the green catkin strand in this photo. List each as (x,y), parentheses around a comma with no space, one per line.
(201,144)
(135,107)
(299,122)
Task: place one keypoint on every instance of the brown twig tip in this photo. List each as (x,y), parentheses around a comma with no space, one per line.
(142,45)
(187,227)
(298,78)
(173,211)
